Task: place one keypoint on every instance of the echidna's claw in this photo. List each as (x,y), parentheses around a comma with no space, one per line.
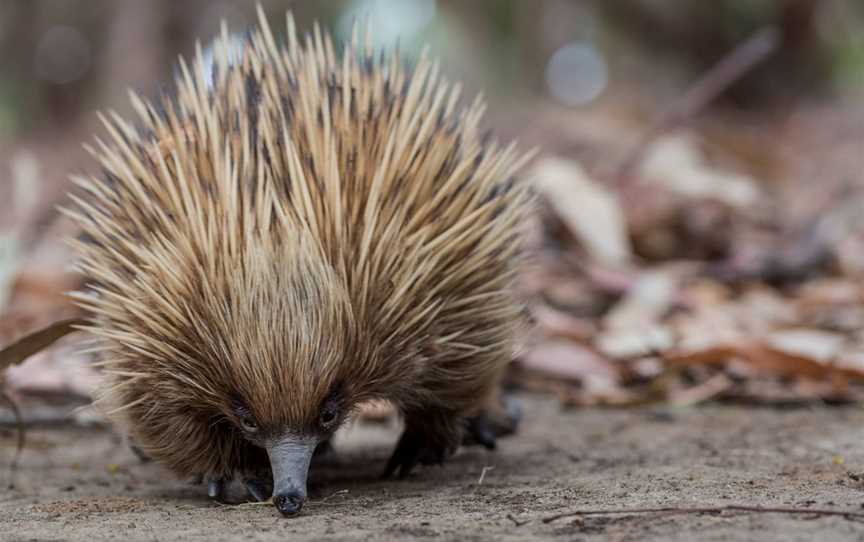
(413,448)
(257,489)
(406,455)
(488,426)
(478,430)
(215,488)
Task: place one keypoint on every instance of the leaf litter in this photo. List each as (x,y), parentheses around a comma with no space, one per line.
(685,284)
(694,281)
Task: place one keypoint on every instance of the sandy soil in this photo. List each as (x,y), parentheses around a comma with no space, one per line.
(85,484)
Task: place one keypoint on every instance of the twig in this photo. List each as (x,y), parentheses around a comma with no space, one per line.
(268,502)
(334,494)
(719,78)
(671,510)
(483,474)
(517,522)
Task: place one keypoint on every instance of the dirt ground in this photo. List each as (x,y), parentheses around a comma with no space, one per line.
(85,484)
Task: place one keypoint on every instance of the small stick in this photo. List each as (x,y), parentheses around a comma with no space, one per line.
(483,474)
(517,522)
(268,502)
(671,510)
(334,494)
(719,78)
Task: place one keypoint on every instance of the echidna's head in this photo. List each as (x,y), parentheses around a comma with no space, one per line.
(290,336)
(260,352)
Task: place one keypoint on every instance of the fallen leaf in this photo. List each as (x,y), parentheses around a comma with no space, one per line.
(635,341)
(676,163)
(645,303)
(591,211)
(573,362)
(10,259)
(557,323)
(818,345)
(767,360)
(36,341)
(702,392)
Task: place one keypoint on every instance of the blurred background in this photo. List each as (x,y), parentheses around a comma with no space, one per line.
(699,165)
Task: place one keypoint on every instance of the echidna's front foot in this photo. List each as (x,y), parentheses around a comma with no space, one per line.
(413,448)
(479,430)
(428,441)
(486,427)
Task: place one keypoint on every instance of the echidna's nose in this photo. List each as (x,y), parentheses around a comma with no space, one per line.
(289,504)
(289,460)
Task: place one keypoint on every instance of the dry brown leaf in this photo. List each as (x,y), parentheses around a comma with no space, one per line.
(756,313)
(815,344)
(591,211)
(765,359)
(646,302)
(676,163)
(572,362)
(556,323)
(633,327)
(702,392)
(36,341)
(830,291)
(635,341)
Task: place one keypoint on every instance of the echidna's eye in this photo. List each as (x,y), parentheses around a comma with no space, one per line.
(248,424)
(328,417)
(247,421)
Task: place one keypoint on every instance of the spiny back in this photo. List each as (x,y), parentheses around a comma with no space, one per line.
(363,176)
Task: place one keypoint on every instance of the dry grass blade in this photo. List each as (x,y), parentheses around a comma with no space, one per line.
(37,341)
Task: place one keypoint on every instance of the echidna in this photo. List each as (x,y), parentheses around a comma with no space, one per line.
(291,233)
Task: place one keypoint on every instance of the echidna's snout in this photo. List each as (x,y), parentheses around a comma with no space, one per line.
(289,504)
(289,459)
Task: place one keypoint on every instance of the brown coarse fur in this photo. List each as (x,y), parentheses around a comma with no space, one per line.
(304,222)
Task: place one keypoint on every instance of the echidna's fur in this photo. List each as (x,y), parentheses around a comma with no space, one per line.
(303,223)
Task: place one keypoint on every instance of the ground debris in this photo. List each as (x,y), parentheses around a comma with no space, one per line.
(703,283)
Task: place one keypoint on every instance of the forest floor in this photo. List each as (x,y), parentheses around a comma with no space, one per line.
(77,483)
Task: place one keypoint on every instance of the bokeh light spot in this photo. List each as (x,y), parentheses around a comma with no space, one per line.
(62,55)
(576,73)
